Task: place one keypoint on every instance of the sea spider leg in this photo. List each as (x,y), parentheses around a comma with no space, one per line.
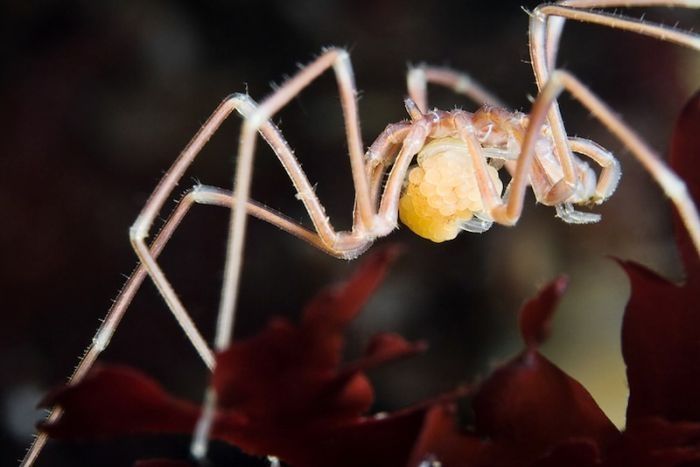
(110,323)
(559,80)
(215,196)
(412,143)
(555,21)
(256,121)
(252,113)
(610,167)
(672,185)
(200,195)
(418,78)
(545,30)
(556,15)
(140,229)
(382,154)
(347,244)
(552,17)
(555,24)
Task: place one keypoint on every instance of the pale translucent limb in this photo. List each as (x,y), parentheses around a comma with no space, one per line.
(382,154)
(254,122)
(570,215)
(418,78)
(214,196)
(110,323)
(606,184)
(139,231)
(555,23)
(344,244)
(546,23)
(559,80)
(610,167)
(200,194)
(669,181)
(490,196)
(340,244)
(247,107)
(141,227)
(672,185)
(412,143)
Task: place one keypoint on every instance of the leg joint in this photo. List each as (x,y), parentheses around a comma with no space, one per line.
(254,120)
(675,188)
(138,232)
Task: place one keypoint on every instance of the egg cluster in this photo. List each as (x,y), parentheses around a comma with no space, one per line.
(441,192)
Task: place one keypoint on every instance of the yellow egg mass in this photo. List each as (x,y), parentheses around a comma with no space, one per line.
(441,193)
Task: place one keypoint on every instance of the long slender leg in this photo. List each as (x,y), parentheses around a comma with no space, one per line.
(418,78)
(141,227)
(215,196)
(148,266)
(559,80)
(382,154)
(580,10)
(200,194)
(543,47)
(256,121)
(111,321)
(611,171)
(247,107)
(140,230)
(490,196)
(412,143)
(339,60)
(546,25)
(555,23)
(341,244)
(607,181)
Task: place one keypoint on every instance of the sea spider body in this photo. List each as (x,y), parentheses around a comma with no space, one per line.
(456,183)
(441,194)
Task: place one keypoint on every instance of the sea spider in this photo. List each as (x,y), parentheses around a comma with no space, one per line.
(455,185)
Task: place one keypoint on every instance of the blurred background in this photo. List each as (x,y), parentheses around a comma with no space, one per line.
(98,98)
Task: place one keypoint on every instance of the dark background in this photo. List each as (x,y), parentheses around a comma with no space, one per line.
(98,98)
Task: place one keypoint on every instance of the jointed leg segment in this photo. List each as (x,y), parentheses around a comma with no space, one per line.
(546,25)
(200,194)
(459,82)
(544,37)
(257,120)
(382,154)
(610,167)
(557,82)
